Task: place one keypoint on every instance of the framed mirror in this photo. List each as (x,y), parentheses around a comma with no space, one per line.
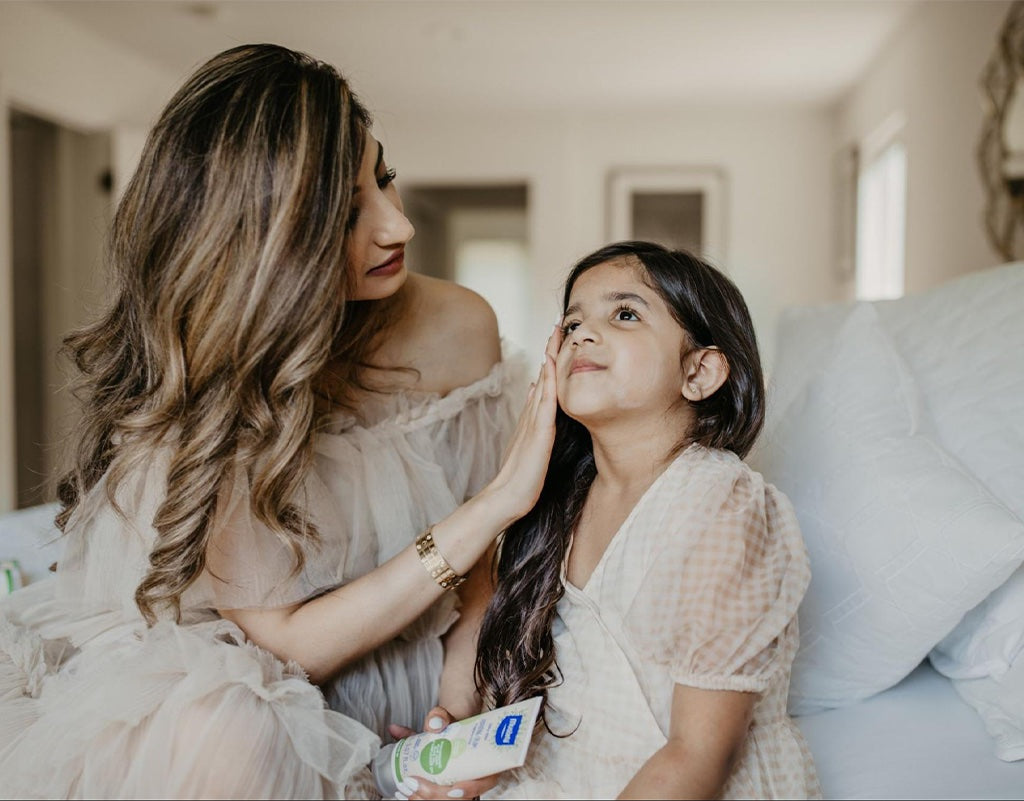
(1001,146)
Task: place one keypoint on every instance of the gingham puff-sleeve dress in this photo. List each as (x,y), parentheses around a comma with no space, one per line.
(699,587)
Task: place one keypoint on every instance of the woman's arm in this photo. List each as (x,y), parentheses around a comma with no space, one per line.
(327,633)
(706,733)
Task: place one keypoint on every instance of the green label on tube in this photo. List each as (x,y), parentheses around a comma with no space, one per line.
(434,758)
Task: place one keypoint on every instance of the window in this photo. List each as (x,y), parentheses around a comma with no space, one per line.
(881,215)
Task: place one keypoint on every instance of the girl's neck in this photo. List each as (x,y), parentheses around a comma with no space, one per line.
(629,455)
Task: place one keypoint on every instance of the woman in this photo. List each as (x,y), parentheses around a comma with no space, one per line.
(270,486)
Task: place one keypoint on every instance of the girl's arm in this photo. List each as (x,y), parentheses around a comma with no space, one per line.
(327,633)
(706,732)
(457,693)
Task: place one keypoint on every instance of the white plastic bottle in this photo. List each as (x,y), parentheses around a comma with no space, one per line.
(467,749)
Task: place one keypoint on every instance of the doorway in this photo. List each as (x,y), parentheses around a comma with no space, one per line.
(476,236)
(60,211)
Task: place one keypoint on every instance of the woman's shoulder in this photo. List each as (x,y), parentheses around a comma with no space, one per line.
(451,335)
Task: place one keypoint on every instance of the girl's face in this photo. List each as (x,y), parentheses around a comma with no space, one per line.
(378,229)
(622,347)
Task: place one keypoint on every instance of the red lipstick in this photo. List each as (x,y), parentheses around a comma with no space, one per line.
(389,267)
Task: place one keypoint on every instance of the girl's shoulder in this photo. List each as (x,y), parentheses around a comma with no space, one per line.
(708,487)
(698,470)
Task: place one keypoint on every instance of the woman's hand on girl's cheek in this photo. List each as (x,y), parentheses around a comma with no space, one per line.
(416,788)
(521,477)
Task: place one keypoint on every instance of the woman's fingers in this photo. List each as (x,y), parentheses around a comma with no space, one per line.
(437,719)
(417,787)
(554,343)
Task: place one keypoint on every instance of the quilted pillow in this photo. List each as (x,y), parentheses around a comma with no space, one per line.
(964,344)
(903,540)
(989,639)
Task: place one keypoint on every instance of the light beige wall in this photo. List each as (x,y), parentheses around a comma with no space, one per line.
(775,160)
(930,72)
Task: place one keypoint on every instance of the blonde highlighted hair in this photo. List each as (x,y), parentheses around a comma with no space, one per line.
(228,257)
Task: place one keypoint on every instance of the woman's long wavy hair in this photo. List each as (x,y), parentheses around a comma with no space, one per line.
(227,255)
(516,654)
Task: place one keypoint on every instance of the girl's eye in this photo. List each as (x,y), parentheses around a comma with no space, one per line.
(569,327)
(387,178)
(625,313)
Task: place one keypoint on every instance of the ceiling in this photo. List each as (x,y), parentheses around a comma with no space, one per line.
(496,55)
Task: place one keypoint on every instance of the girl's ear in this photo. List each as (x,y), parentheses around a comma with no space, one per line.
(704,371)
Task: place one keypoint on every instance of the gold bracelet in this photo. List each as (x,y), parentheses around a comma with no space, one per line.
(437,566)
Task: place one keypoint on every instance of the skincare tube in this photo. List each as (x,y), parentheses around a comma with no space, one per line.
(467,749)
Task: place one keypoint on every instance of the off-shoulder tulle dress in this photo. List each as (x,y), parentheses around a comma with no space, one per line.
(95,704)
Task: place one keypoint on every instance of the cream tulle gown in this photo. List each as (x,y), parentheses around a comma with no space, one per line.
(95,704)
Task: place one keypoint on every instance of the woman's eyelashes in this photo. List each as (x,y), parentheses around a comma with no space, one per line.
(388,177)
(383,182)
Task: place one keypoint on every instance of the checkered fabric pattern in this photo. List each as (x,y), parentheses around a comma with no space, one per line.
(700,587)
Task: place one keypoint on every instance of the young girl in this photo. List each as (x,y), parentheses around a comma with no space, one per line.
(651,594)
(270,487)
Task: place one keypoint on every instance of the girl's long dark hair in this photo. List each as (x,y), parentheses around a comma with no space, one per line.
(516,654)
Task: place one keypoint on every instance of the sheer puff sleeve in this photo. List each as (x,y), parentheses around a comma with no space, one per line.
(725,570)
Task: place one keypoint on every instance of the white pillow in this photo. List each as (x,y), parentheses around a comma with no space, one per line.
(31,537)
(989,638)
(1000,703)
(964,344)
(903,541)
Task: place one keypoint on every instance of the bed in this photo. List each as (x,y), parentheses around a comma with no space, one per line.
(896,428)
(915,740)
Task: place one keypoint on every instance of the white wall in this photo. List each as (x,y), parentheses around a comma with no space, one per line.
(930,71)
(775,160)
(54,69)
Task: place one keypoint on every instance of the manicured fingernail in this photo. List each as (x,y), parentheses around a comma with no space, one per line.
(435,722)
(456,793)
(408,786)
(401,797)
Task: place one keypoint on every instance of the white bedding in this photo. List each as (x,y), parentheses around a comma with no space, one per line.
(915,740)
(30,537)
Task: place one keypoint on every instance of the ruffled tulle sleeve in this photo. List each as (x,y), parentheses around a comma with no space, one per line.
(726,571)
(374,485)
(249,565)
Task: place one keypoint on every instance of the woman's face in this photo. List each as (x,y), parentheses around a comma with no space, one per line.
(622,346)
(378,229)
